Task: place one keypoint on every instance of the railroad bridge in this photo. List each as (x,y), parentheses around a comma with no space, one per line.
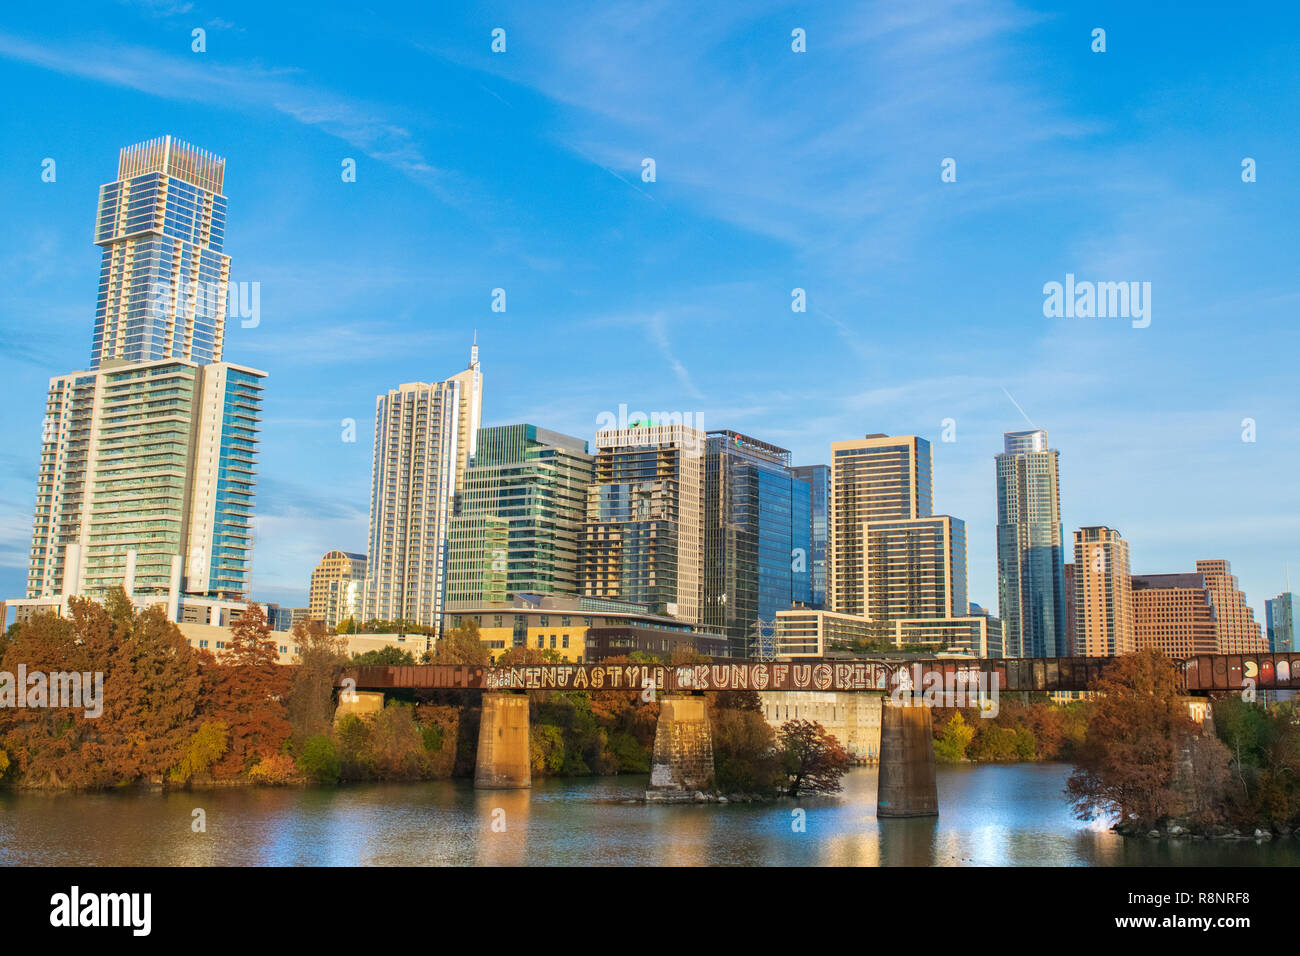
(683,750)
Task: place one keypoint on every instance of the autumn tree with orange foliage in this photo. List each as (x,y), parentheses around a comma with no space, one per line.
(246,689)
(1139,738)
(151,683)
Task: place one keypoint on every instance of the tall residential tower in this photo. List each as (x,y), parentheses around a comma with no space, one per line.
(1031,575)
(425,435)
(148,457)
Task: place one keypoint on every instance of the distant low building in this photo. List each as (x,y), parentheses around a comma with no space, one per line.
(557,623)
(605,642)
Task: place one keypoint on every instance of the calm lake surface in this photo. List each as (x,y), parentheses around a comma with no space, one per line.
(989,816)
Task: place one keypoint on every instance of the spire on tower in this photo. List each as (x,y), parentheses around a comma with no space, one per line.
(473,351)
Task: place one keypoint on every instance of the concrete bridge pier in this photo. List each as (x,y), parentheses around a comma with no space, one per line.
(683,754)
(907,785)
(503,753)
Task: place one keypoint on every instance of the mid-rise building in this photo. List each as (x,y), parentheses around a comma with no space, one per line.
(1279,616)
(1175,613)
(915,568)
(1102,604)
(1031,587)
(757,524)
(337,587)
(425,435)
(877,478)
(519,521)
(818,478)
(643,540)
(581,629)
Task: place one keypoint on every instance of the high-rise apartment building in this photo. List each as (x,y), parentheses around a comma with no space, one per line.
(915,568)
(1070,622)
(1279,615)
(1031,594)
(877,478)
(158,459)
(164,279)
(148,458)
(757,529)
(1101,608)
(643,540)
(1238,631)
(425,435)
(337,587)
(519,521)
(893,562)
(1175,613)
(818,478)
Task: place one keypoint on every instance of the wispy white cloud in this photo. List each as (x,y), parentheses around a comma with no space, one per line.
(369,127)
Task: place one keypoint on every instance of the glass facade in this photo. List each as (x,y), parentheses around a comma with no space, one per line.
(519,517)
(818,478)
(1031,568)
(757,536)
(163,277)
(1279,618)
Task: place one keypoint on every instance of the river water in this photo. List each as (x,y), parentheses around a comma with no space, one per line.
(989,816)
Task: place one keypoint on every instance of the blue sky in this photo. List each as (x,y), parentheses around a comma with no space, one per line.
(775,170)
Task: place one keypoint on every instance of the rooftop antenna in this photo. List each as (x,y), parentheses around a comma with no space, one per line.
(473,351)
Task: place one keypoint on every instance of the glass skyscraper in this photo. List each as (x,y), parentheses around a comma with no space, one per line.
(818,478)
(757,536)
(1279,617)
(519,517)
(1031,568)
(163,279)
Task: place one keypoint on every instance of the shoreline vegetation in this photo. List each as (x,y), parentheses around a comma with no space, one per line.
(175,717)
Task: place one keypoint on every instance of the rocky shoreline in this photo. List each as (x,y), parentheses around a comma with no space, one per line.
(1176,831)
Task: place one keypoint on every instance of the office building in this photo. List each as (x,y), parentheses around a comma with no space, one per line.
(1101,606)
(1279,616)
(1031,587)
(818,478)
(425,435)
(520,517)
(1175,613)
(757,524)
(643,541)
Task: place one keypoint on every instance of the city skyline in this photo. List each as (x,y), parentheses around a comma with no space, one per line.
(1133,417)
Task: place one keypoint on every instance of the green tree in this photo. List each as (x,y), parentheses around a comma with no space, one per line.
(950,747)
(388,656)
(745,758)
(319,760)
(461,645)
